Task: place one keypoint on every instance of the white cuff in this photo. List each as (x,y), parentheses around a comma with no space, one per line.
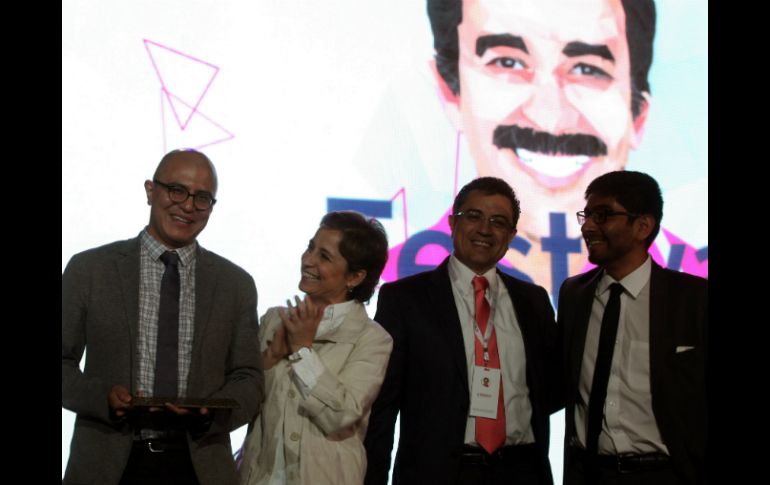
(306,373)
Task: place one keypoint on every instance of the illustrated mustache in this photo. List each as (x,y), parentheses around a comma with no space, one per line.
(513,137)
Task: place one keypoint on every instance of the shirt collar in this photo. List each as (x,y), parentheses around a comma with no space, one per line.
(333,317)
(633,283)
(462,277)
(155,248)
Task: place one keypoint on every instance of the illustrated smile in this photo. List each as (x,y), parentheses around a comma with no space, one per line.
(552,165)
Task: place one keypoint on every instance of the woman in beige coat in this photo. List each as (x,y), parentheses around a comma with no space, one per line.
(324,363)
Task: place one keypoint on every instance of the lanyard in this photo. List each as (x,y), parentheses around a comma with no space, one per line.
(484,339)
(470,311)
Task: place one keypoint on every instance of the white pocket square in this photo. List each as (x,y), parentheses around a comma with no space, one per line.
(683,348)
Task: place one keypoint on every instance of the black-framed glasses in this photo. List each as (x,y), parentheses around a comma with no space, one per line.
(178,194)
(498,223)
(600,216)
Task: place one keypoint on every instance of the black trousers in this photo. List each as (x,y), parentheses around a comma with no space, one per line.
(159,463)
(576,473)
(511,465)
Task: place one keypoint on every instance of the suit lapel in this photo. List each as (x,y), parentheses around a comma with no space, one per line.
(661,328)
(127,264)
(443,303)
(205,288)
(585,300)
(522,307)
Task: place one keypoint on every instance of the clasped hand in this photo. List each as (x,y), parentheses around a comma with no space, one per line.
(298,329)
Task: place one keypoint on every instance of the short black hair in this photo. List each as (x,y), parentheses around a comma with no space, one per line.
(364,246)
(489,186)
(637,192)
(446,15)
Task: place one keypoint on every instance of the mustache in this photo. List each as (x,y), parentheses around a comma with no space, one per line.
(514,136)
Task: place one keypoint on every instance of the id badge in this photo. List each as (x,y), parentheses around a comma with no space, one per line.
(484,394)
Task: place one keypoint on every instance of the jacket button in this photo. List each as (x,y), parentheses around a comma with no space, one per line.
(294,437)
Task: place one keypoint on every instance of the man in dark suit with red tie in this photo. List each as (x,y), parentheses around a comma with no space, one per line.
(474,366)
(634,343)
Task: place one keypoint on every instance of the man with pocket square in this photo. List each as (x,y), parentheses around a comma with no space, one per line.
(634,347)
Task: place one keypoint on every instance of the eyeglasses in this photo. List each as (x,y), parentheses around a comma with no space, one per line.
(600,216)
(498,223)
(179,194)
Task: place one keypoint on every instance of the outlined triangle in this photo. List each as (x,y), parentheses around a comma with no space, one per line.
(201,127)
(184,79)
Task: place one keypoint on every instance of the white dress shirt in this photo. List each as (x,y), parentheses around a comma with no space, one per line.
(629,425)
(510,344)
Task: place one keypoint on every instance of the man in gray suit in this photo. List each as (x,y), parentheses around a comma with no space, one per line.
(112,297)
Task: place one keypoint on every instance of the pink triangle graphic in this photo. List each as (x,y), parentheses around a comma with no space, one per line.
(185,79)
(209,129)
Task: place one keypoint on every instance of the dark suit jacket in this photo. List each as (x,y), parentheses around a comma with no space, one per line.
(427,377)
(100,312)
(678,318)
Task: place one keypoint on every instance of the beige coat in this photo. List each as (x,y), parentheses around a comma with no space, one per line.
(322,435)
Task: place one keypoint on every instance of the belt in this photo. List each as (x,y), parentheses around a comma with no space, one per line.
(625,462)
(160,446)
(473,455)
(167,434)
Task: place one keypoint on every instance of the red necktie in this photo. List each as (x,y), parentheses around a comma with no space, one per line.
(490,433)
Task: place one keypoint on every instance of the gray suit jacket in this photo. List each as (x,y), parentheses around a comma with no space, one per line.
(100,305)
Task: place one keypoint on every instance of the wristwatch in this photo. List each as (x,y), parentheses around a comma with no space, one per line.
(299,354)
